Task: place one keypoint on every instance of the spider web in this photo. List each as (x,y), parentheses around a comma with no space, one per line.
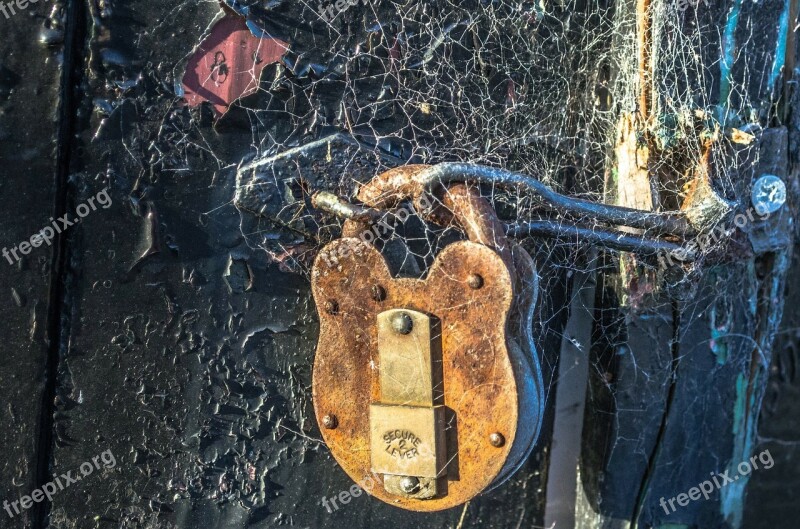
(541,88)
(536,87)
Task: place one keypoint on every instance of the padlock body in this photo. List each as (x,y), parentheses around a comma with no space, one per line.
(476,397)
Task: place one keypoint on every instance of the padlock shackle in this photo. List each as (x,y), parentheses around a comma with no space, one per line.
(388,189)
(461,203)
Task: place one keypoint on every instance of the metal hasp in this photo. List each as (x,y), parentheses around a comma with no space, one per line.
(406,429)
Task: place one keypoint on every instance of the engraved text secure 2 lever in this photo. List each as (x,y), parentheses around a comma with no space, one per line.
(430,387)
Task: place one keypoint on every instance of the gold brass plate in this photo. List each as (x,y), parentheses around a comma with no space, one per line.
(406,440)
(406,429)
(406,363)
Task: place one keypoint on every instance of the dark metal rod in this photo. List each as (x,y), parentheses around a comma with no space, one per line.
(662,223)
(602,237)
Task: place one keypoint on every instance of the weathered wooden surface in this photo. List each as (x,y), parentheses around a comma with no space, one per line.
(189,353)
(186,352)
(678,385)
(32,139)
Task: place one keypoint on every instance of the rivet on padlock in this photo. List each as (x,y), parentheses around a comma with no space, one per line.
(430,386)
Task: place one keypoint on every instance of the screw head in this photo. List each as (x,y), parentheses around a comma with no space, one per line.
(378,293)
(402,323)
(768,194)
(331,307)
(475,281)
(330,422)
(409,484)
(497,440)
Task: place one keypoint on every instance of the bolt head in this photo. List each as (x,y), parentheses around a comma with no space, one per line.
(402,323)
(409,484)
(475,281)
(497,440)
(330,422)
(768,194)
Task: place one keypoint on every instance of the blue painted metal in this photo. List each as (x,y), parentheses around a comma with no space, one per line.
(780,51)
(728,51)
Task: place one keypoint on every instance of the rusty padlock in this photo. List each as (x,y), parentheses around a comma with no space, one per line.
(430,389)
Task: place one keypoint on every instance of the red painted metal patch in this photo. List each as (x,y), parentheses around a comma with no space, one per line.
(228,64)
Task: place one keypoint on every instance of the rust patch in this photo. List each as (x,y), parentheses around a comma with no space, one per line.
(387,189)
(228,64)
(478,219)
